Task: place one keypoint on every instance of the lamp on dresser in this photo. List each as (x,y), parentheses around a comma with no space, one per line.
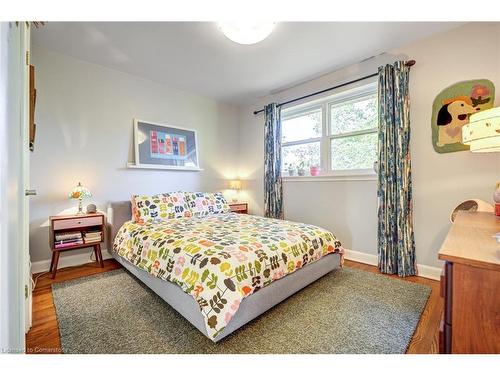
(482,134)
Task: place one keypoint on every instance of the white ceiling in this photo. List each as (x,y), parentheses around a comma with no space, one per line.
(196,57)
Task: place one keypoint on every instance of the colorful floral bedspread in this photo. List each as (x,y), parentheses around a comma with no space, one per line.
(221,259)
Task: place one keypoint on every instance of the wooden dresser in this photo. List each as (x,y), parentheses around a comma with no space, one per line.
(470,285)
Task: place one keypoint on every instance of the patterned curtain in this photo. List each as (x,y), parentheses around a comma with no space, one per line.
(273,191)
(396,244)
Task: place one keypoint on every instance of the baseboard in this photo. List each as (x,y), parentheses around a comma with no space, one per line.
(66,261)
(358,256)
(428,272)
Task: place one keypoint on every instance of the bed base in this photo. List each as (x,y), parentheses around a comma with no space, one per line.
(250,307)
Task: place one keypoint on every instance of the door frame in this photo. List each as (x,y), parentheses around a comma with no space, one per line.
(14,169)
(25,161)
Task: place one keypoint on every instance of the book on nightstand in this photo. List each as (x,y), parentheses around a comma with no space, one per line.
(94,236)
(67,239)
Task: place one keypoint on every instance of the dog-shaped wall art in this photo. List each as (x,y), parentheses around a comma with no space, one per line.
(452,109)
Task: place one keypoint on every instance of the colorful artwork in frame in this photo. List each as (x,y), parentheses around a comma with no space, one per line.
(164,147)
(451,111)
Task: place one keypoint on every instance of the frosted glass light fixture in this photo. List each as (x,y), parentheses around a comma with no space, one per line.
(246,32)
(79,192)
(482,133)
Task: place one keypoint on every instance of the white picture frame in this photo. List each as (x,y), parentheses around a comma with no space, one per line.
(161,146)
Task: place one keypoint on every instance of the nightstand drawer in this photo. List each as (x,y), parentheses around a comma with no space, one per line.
(77,223)
(238,207)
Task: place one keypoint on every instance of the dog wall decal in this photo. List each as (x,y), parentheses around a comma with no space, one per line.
(452,116)
(452,109)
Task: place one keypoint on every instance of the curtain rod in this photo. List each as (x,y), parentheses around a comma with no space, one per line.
(408,63)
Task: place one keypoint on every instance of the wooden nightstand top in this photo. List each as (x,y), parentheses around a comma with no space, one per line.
(64,217)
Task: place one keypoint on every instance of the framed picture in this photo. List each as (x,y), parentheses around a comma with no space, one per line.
(451,111)
(159,146)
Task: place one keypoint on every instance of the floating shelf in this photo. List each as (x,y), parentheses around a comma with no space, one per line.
(169,167)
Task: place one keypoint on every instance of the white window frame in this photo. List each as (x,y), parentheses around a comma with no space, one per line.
(366,89)
(300,111)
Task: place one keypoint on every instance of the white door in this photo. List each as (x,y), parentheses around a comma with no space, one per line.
(14,255)
(25,161)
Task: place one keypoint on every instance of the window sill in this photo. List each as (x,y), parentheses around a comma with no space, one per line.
(327,178)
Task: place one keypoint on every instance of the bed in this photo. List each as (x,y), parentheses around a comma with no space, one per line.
(224,270)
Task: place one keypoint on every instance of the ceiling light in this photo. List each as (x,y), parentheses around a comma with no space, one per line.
(246,32)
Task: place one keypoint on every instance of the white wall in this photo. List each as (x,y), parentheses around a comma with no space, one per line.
(84,133)
(440,181)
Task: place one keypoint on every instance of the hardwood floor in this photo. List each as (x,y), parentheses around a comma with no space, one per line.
(426,337)
(43,336)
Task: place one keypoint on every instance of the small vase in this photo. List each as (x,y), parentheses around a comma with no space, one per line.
(315,171)
(496,194)
(496,198)
(301,172)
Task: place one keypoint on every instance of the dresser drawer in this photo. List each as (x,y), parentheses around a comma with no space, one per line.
(442,283)
(77,223)
(447,292)
(444,337)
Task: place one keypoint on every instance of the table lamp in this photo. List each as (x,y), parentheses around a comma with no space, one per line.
(79,192)
(482,134)
(235,185)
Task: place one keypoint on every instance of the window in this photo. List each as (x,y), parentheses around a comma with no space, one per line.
(337,134)
(300,140)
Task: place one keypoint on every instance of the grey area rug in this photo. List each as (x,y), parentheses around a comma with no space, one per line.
(346,311)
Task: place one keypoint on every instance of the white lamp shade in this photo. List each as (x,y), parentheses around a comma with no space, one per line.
(482,133)
(235,185)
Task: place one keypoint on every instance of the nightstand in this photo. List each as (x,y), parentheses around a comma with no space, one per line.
(239,208)
(75,232)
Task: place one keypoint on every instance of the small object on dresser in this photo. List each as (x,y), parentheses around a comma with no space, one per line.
(472,205)
(496,198)
(91,209)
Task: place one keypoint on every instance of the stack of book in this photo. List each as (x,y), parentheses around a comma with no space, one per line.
(94,236)
(67,239)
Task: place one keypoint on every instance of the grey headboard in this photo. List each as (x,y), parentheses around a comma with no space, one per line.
(118,213)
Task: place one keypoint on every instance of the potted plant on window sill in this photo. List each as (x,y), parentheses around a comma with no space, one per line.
(301,171)
(290,169)
(315,170)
